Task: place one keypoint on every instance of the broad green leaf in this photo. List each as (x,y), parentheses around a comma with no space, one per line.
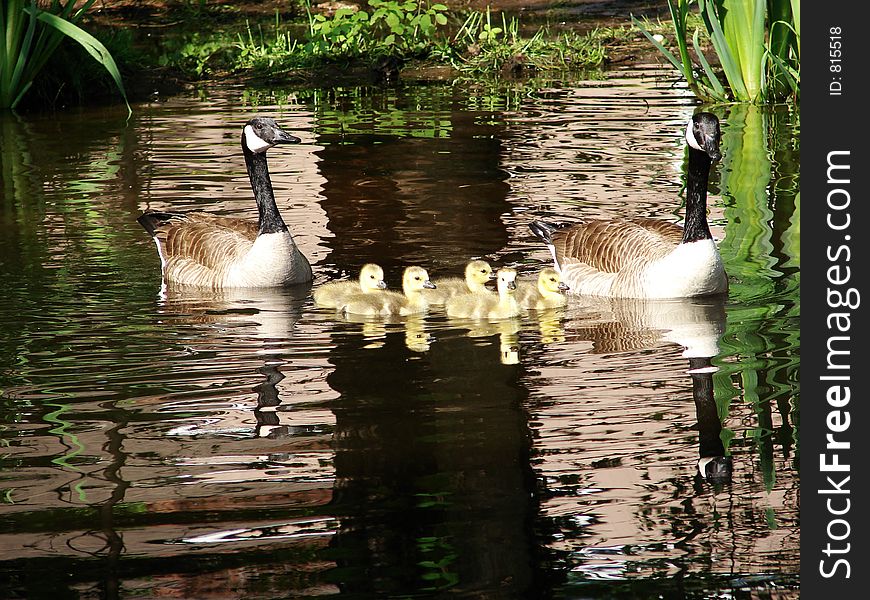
(91,44)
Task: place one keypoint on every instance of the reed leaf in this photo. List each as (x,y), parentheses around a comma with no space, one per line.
(718,89)
(757,43)
(32,35)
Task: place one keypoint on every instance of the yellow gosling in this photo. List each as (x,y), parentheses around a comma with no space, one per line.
(477,273)
(336,293)
(547,292)
(488,306)
(414,281)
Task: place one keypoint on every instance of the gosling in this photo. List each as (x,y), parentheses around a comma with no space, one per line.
(477,273)
(548,292)
(336,293)
(488,306)
(414,281)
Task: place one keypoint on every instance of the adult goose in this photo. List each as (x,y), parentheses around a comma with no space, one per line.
(644,257)
(335,293)
(224,252)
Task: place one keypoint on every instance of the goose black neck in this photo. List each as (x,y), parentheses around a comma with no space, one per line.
(270,219)
(696,227)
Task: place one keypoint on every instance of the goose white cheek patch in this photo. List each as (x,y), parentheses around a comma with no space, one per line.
(254,142)
(690,137)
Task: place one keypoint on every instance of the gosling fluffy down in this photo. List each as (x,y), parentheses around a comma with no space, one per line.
(336,293)
(414,281)
(546,292)
(488,305)
(477,273)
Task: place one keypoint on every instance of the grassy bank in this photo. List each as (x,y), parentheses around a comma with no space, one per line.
(197,41)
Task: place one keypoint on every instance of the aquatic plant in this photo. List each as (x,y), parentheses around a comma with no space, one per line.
(757,43)
(33,34)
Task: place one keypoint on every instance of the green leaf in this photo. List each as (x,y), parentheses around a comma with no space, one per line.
(718,88)
(667,53)
(91,44)
(440,19)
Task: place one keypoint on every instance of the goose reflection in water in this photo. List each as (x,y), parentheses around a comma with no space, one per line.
(695,324)
(228,334)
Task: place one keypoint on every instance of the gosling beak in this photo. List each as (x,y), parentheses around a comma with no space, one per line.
(382,285)
(429,285)
(563,287)
(512,285)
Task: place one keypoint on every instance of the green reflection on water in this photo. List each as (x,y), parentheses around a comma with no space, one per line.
(760,185)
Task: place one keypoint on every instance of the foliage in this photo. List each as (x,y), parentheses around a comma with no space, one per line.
(404,28)
(500,46)
(757,43)
(31,37)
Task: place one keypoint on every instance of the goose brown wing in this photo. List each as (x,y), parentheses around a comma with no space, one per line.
(205,239)
(611,246)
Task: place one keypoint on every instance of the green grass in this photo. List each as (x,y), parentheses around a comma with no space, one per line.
(478,44)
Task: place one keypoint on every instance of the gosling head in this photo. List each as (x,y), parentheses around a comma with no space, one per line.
(371,278)
(550,282)
(703,134)
(477,273)
(415,279)
(262,133)
(506,281)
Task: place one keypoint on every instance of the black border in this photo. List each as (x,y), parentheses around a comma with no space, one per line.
(832,122)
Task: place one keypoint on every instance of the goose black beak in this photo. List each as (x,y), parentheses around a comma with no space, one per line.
(282,137)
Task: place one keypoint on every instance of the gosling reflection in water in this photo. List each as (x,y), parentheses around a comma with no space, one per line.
(375,329)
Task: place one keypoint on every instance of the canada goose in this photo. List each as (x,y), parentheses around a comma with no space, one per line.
(546,292)
(414,281)
(492,306)
(336,293)
(224,252)
(477,273)
(643,257)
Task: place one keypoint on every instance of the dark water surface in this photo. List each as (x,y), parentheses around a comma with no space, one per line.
(249,445)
